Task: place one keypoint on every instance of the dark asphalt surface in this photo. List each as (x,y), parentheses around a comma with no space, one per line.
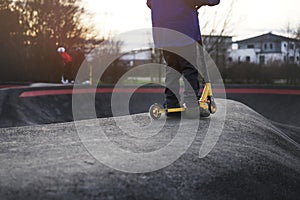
(254,158)
(45,109)
(17,111)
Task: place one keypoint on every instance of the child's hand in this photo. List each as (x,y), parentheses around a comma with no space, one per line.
(198,3)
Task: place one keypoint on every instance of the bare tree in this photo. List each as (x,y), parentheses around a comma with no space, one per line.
(217,30)
(293,33)
(217,23)
(105,63)
(297,33)
(34,30)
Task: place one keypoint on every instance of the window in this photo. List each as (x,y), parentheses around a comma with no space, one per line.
(266,46)
(271,46)
(248,59)
(262,60)
(292,46)
(250,46)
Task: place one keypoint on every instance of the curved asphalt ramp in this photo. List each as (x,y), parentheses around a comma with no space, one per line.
(50,103)
(42,104)
(252,159)
(279,104)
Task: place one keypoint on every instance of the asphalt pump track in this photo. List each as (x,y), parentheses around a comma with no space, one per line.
(253,157)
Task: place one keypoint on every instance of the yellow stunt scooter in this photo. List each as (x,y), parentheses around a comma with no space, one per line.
(206,101)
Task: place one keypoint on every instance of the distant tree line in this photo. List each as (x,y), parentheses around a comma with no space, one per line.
(30,33)
(232,73)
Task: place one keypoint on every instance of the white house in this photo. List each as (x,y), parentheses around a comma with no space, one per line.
(266,48)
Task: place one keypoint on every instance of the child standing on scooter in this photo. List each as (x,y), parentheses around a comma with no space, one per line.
(179,16)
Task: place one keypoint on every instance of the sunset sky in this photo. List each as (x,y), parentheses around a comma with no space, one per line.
(249,18)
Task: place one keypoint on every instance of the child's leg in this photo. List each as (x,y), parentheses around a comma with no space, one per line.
(190,74)
(172,80)
(191,84)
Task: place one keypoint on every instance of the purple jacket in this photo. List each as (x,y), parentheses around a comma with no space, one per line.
(177,15)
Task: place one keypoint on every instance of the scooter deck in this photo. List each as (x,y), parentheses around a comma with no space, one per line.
(172,110)
(206,102)
(157,110)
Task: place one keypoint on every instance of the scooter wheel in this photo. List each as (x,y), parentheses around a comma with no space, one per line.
(155,111)
(212,107)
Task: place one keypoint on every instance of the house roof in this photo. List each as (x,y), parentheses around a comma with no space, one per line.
(217,36)
(268,36)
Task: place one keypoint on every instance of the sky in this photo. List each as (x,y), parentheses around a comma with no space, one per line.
(249,17)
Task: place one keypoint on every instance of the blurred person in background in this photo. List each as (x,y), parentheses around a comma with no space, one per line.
(67,65)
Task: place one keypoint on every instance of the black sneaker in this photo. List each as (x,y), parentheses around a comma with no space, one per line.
(196,112)
(192,113)
(204,112)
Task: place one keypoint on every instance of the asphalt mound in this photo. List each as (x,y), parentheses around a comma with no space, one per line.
(252,159)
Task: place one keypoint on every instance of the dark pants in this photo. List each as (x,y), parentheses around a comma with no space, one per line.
(67,71)
(176,59)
